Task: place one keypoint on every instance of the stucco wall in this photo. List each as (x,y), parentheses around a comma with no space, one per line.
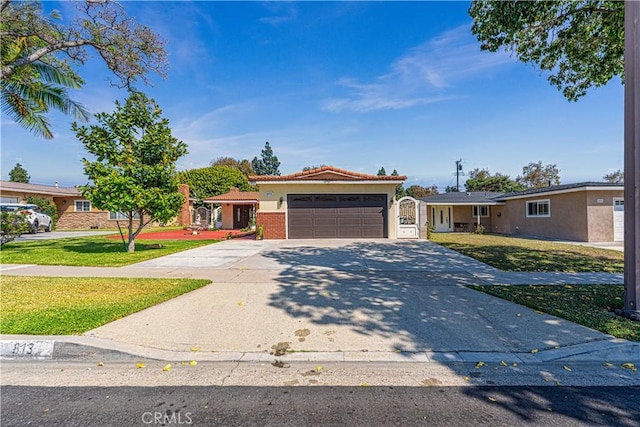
(277,201)
(600,215)
(227,216)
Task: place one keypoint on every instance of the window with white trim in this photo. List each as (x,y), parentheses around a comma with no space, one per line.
(484,211)
(82,206)
(122,216)
(539,208)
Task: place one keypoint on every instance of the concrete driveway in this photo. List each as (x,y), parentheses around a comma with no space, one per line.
(345,299)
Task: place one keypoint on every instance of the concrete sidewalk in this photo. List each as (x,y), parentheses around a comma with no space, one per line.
(340,300)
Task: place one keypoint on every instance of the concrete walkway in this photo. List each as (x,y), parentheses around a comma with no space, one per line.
(341,300)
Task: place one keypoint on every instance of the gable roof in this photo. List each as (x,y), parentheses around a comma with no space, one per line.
(235,195)
(328,173)
(463,198)
(50,190)
(564,188)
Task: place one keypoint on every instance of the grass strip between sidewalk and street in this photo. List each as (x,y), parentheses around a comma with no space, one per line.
(518,254)
(587,305)
(94,251)
(73,305)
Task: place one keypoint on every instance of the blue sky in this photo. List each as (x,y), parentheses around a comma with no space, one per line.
(356,85)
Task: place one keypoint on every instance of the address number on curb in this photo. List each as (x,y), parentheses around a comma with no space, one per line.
(26,349)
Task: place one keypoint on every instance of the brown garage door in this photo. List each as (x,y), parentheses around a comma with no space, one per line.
(312,216)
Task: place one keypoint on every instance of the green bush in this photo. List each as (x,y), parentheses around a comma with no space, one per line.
(12,225)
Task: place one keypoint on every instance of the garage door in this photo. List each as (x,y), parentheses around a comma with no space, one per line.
(618,220)
(313,216)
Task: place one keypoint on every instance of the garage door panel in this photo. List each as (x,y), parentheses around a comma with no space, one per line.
(337,216)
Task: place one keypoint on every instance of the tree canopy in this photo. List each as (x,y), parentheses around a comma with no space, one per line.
(579,43)
(616,177)
(418,192)
(19,174)
(483,180)
(134,168)
(39,52)
(243,165)
(214,180)
(537,175)
(268,163)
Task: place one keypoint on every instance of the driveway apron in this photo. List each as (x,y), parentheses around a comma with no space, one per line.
(357,296)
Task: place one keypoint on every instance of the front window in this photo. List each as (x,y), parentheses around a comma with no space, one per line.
(83,206)
(482,210)
(122,216)
(538,208)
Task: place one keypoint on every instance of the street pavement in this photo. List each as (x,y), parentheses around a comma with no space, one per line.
(338,300)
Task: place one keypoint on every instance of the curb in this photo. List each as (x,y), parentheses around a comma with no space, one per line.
(81,348)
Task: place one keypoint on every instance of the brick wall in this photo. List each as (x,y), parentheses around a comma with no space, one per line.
(273,223)
(82,220)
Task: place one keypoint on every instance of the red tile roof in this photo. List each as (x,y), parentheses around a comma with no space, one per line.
(235,195)
(326,173)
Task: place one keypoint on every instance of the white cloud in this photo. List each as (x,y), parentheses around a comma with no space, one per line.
(423,75)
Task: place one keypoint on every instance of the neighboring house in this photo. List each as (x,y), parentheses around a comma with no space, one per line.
(587,211)
(327,202)
(237,207)
(74,211)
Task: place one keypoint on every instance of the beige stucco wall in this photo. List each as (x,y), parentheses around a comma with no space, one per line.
(574,216)
(227,216)
(273,203)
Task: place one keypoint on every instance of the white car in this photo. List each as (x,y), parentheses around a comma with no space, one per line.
(35,217)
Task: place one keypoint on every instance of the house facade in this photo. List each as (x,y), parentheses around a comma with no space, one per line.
(587,212)
(327,202)
(74,211)
(237,208)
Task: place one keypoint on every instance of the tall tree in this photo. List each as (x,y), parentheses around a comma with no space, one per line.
(19,174)
(418,192)
(579,43)
(214,180)
(268,163)
(482,180)
(39,50)
(243,165)
(535,175)
(400,190)
(134,168)
(616,177)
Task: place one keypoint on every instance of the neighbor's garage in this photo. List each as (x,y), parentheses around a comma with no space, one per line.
(312,216)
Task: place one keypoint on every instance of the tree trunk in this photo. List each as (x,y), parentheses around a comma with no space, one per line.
(132,245)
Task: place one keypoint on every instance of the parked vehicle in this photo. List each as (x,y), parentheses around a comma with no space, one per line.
(35,217)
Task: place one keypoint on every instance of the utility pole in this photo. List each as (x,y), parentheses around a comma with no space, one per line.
(632,159)
(458,170)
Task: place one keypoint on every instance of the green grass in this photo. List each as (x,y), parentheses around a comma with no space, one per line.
(95,251)
(517,254)
(587,305)
(69,305)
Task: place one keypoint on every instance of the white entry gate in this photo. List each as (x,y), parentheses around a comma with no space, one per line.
(408,221)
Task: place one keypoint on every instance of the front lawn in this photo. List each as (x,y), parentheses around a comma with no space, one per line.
(517,254)
(587,305)
(66,305)
(94,251)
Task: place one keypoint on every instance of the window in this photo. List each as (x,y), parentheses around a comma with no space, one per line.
(83,206)
(538,208)
(122,216)
(484,211)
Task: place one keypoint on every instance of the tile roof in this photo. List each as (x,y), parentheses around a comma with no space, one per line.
(327,173)
(464,198)
(50,190)
(235,195)
(561,187)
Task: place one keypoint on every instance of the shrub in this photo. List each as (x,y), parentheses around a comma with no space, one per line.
(12,225)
